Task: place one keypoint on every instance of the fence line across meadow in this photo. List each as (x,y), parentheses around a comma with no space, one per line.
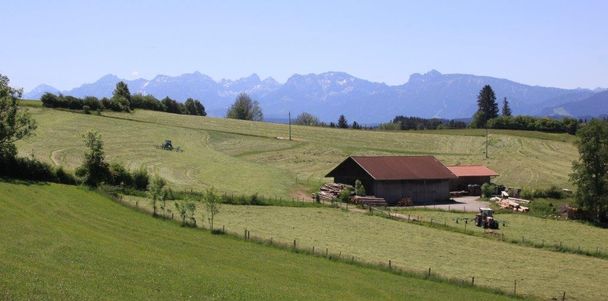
(558,246)
(510,287)
(503,286)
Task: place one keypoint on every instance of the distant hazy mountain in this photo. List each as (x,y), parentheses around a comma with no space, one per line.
(330,94)
(594,105)
(37,92)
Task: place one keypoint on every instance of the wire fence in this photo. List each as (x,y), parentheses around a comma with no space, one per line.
(513,287)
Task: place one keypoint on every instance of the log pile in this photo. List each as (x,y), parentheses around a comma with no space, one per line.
(512,204)
(369,201)
(332,191)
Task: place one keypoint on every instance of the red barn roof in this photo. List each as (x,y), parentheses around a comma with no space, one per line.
(472,171)
(399,167)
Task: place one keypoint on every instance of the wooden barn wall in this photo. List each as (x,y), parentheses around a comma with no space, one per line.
(420,192)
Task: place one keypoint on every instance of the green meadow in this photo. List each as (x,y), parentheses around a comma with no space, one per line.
(539,272)
(254,157)
(68,243)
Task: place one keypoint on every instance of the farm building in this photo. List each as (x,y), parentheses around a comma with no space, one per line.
(420,179)
(470,174)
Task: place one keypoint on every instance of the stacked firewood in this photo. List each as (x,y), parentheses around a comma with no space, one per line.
(332,191)
(369,201)
(512,204)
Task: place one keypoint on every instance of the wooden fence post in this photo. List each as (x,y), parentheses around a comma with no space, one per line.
(515,287)
(390,265)
(294,244)
(429,274)
(564,297)
(473,280)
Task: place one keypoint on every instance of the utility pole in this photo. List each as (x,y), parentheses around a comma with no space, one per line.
(289,126)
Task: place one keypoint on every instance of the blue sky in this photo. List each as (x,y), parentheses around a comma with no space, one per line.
(67,43)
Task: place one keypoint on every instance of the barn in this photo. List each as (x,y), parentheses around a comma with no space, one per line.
(421,179)
(470,174)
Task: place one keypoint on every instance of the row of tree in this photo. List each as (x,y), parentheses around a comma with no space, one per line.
(529,123)
(123,101)
(308,119)
(487,116)
(417,123)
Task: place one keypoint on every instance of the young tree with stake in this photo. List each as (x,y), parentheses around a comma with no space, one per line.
(157,192)
(211,201)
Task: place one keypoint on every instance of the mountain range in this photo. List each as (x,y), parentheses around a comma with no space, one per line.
(329,94)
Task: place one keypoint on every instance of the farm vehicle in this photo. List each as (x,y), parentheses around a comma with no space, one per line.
(485,219)
(168,145)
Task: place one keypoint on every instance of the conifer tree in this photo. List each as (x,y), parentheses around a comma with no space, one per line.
(506,109)
(342,122)
(487,107)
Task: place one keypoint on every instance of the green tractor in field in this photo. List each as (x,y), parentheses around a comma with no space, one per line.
(486,219)
(167,145)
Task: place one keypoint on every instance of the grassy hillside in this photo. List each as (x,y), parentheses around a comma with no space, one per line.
(67,243)
(246,157)
(541,273)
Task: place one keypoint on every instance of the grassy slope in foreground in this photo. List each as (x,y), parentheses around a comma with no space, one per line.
(66,243)
(245,157)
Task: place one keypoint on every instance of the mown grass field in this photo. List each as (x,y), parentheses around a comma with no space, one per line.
(519,226)
(67,243)
(541,273)
(246,157)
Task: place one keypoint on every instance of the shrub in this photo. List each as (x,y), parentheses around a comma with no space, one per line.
(141,179)
(345,195)
(487,190)
(30,169)
(120,176)
(552,192)
(359,188)
(64,177)
(86,109)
